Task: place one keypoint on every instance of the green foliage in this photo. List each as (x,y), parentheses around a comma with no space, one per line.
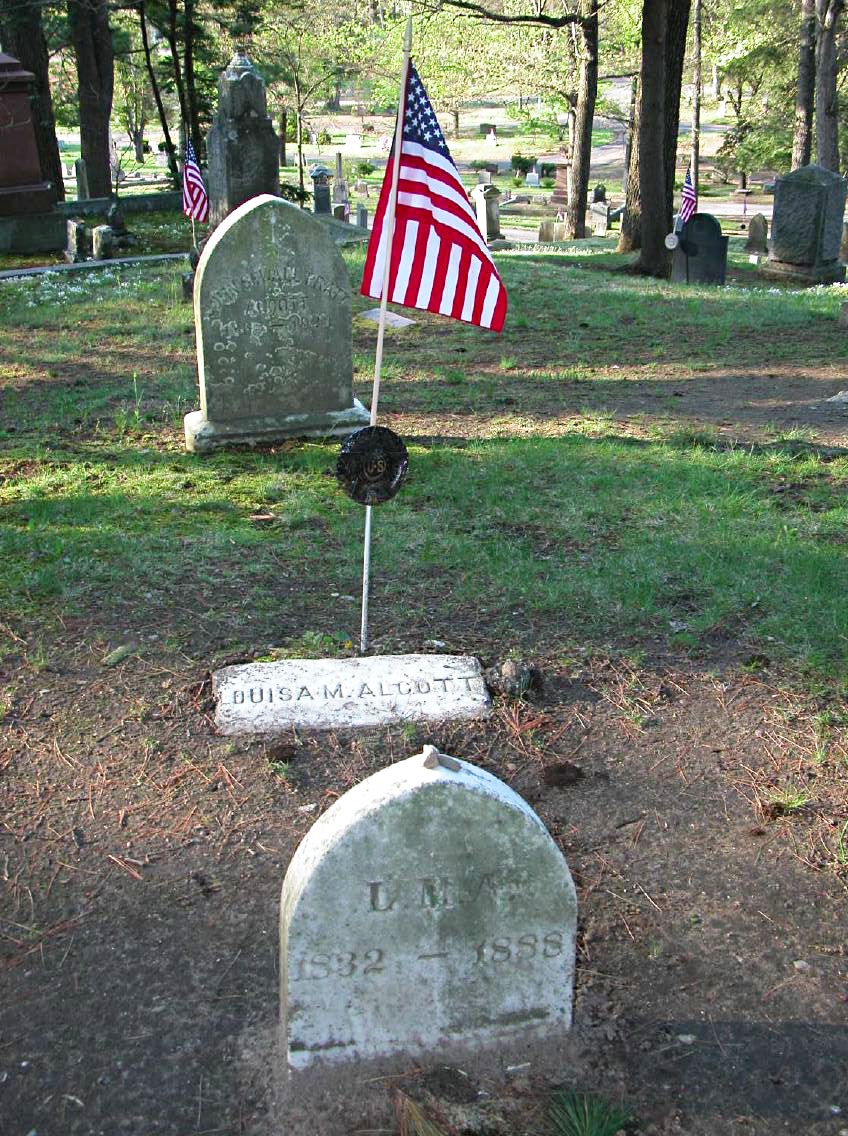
(484,164)
(365,168)
(521,163)
(580,1114)
(294,193)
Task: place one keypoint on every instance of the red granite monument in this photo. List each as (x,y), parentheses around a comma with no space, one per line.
(28,221)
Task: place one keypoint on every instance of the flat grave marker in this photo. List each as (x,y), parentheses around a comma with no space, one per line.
(325,694)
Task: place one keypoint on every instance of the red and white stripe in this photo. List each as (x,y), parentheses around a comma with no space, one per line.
(440,262)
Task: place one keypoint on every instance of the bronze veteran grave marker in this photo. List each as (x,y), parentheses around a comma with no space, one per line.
(272,310)
(323,694)
(427,906)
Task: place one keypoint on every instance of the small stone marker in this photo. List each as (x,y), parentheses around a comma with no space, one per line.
(362,216)
(757,235)
(102,242)
(76,249)
(428,906)
(82,179)
(324,694)
(392,318)
(272,309)
(486,200)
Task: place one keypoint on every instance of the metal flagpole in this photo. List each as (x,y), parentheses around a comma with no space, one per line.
(388,232)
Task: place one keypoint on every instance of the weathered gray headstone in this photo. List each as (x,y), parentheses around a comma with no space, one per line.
(272,310)
(428,906)
(484,177)
(701,256)
(599,211)
(82,179)
(362,216)
(340,190)
(76,249)
(806,227)
(757,234)
(102,242)
(486,200)
(242,145)
(340,211)
(532,178)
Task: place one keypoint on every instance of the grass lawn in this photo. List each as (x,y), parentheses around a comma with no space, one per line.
(638,488)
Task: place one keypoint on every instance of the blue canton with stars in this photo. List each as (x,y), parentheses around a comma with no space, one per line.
(420,123)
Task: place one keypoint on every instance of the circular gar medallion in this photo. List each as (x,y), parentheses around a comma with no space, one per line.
(372,466)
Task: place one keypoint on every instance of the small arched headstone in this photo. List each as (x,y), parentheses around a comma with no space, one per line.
(428,906)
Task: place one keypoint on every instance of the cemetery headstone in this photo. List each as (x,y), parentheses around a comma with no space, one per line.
(599,193)
(701,255)
(599,212)
(487,204)
(806,227)
(757,234)
(340,192)
(272,310)
(362,216)
(546,232)
(320,189)
(484,177)
(340,211)
(81,172)
(76,249)
(102,242)
(427,906)
(532,178)
(562,186)
(28,222)
(242,146)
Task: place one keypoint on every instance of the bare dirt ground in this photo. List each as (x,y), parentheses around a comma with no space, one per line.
(143,858)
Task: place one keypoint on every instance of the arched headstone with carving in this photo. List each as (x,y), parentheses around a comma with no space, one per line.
(427,906)
(272,312)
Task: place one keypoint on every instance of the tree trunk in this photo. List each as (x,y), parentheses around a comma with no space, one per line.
(675,54)
(22,36)
(91,36)
(696,101)
(173,45)
(631,127)
(193,121)
(630,238)
(653,145)
(587,93)
(827,102)
(157,96)
(137,138)
(802,138)
(284,119)
(455,114)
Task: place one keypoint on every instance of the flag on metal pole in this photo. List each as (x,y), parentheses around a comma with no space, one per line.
(195,198)
(426,251)
(689,200)
(439,260)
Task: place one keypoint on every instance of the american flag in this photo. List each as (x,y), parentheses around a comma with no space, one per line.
(439,260)
(689,200)
(195,199)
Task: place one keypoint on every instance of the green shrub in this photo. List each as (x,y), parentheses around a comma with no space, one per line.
(521,164)
(363,169)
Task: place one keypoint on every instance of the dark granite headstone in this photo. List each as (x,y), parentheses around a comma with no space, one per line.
(320,189)
(242,145)
(806,228)
(701,255)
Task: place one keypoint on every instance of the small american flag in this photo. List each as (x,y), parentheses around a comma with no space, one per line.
(195,199)
(439,260)
(689,200)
